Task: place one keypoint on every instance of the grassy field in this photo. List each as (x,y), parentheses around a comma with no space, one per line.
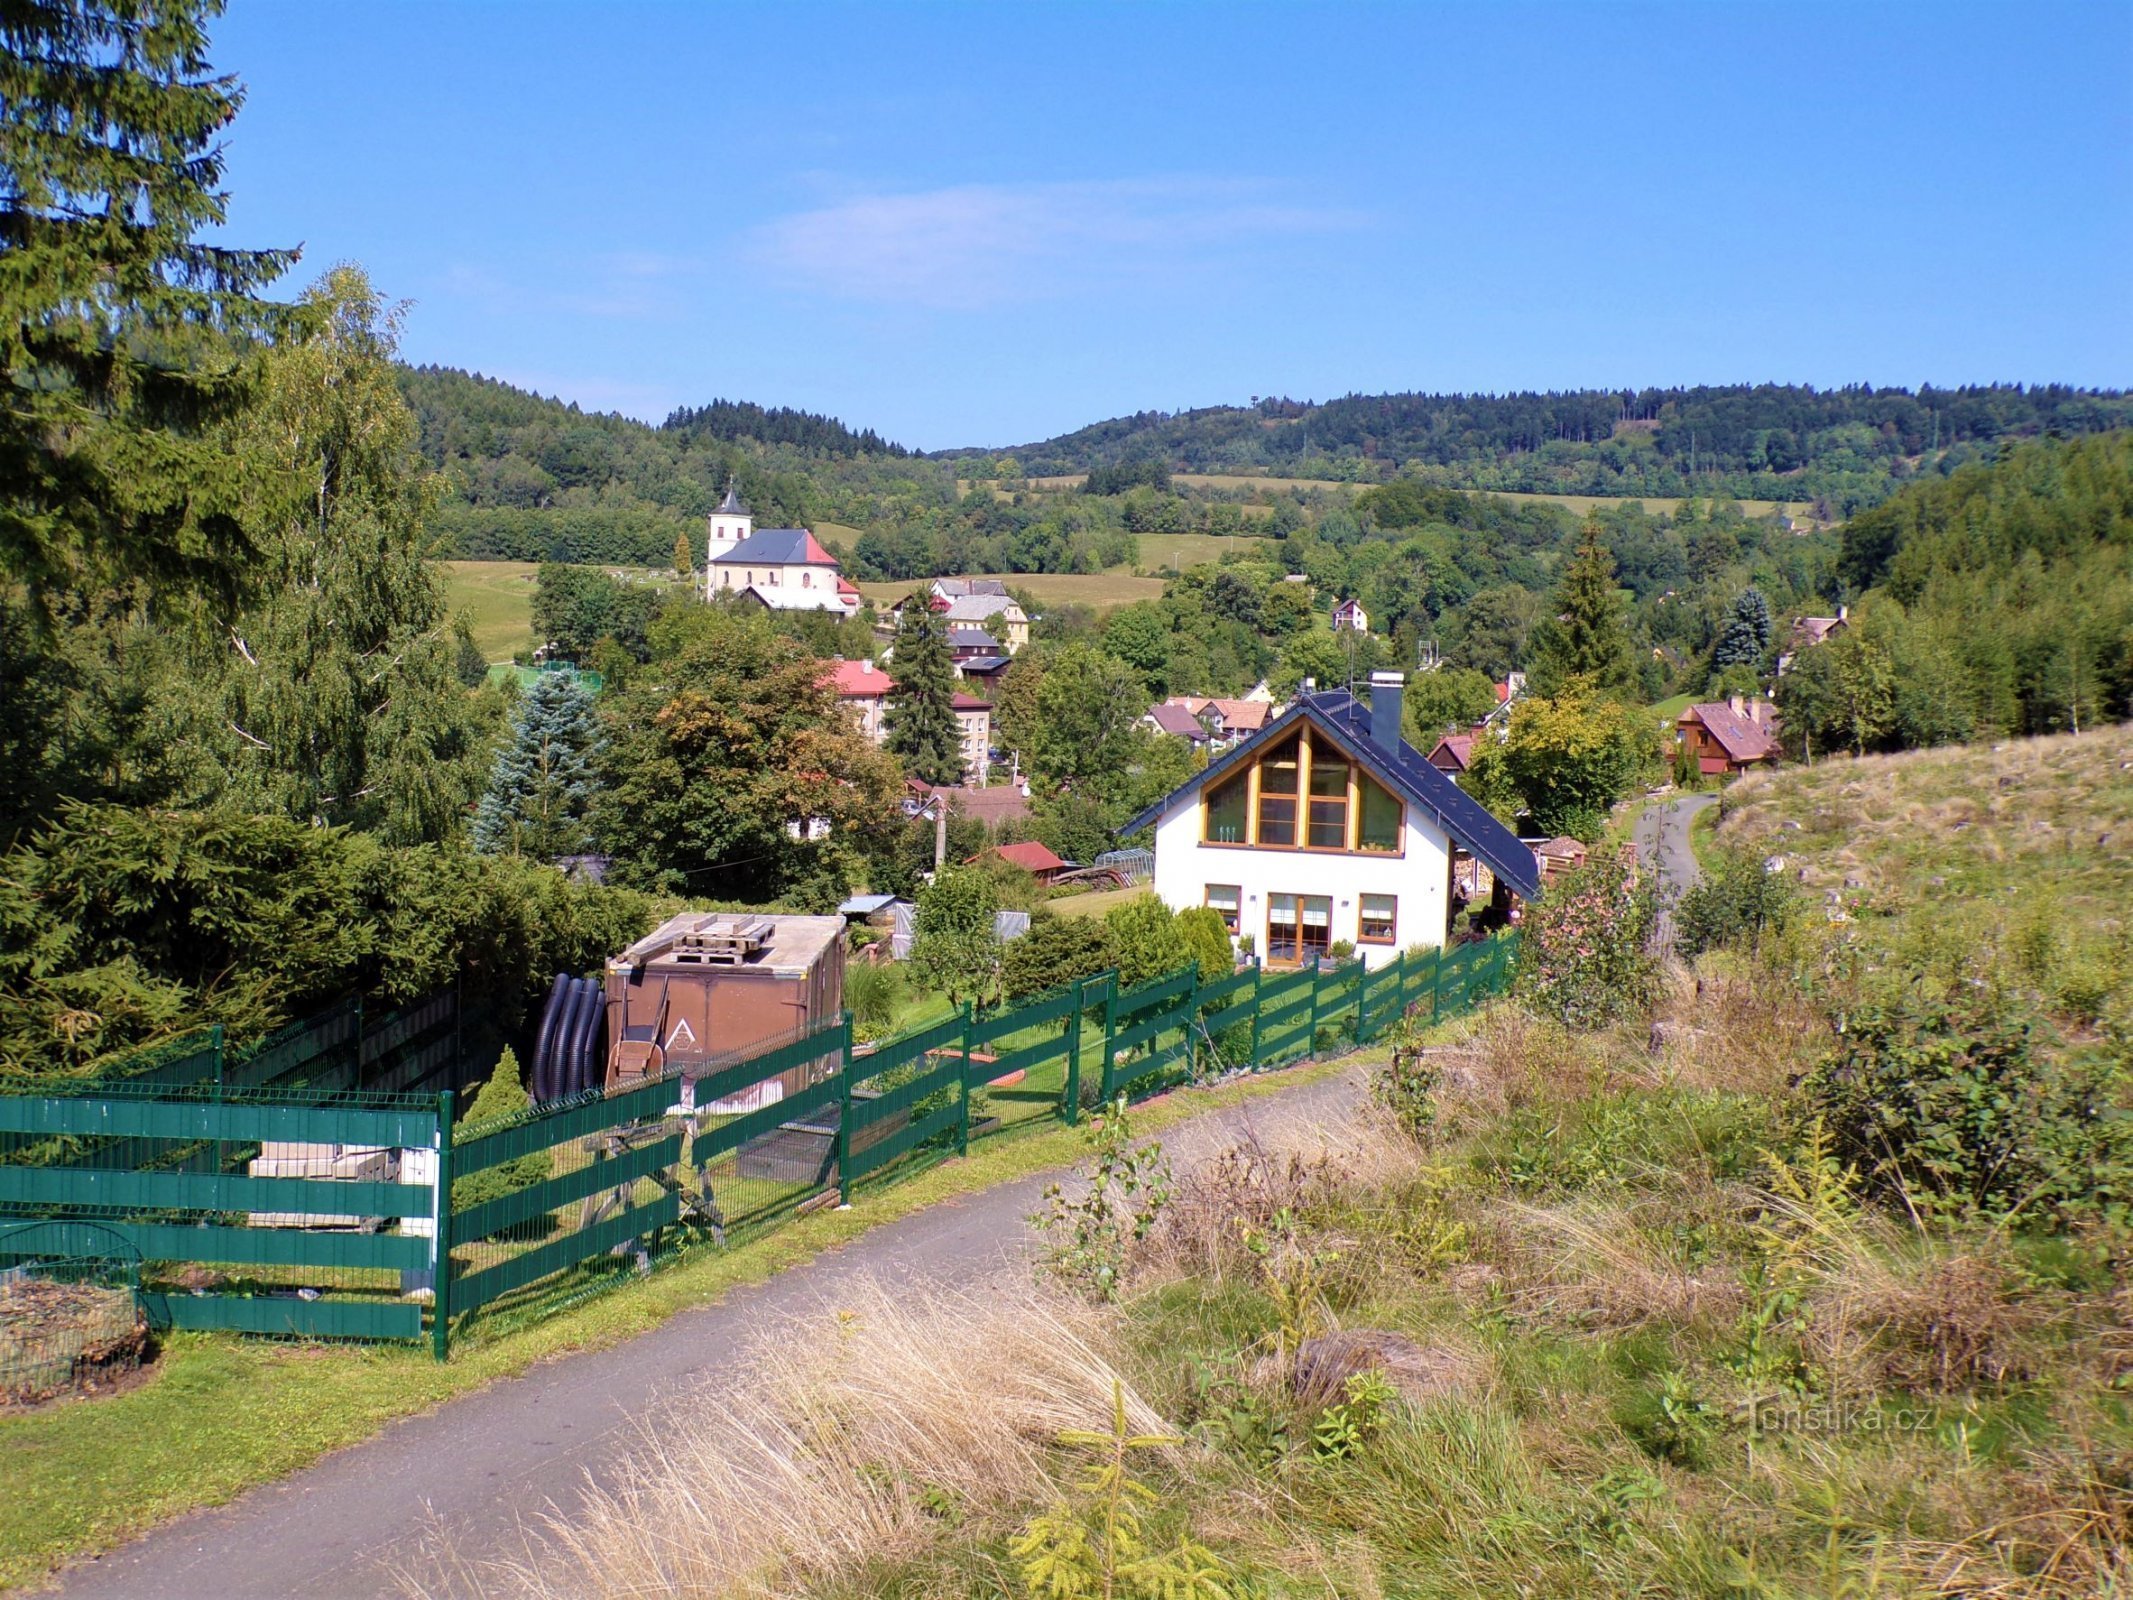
(1103,591)
(497,597)
(1168,552)
(219,1415)
(1093,904)
(1606,1312)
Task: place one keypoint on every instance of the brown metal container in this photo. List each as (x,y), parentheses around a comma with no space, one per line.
(706,989)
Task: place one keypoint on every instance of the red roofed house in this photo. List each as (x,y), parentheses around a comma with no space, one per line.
(865,688)
(1350,617)
(785,569)
(1730,735)
(1176,720)
(1035,859)
(1453,754)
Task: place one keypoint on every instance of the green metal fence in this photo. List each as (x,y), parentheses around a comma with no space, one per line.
(422,1226)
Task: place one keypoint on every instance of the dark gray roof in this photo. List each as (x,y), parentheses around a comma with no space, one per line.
(774,547)
(1344,719)
(972,639)
(732,505)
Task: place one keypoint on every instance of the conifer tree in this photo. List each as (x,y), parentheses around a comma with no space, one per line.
(1585,637)
(541,791)
(122,338)
(504,1095)
(1747,632)
(921,715)
(684,557)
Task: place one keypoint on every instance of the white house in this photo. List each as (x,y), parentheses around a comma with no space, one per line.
(785,569)
(1327,826)
(1350,617)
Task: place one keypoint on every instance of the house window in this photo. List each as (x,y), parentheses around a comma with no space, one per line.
(1376,919)
(1328,829)
(1226,811)
(1222,899)
(1299,928)
(1380,828)
(807,580)
(1277,797)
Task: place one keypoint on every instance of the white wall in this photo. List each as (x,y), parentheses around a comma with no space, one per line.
(1420,876)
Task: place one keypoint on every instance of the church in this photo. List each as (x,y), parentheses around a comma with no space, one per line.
(784,569)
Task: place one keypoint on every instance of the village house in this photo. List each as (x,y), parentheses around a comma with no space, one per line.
(993,806)
(1174,719)
(1326,827)
(1810,631)
(1729,736)
(1453,754)
(1350,617)
(1226,721)
(864,688)
(976,603)
(785,569)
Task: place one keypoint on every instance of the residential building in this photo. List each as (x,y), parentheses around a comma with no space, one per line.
(968,643)
(1327,826)
(785,569)
(1731,735)
(1350,617)
(993,805)
(1224,721)
(865,688)
(976,603)
(1559,857)
(1453,754)
(1810,631)
(1176,720)
(973,720)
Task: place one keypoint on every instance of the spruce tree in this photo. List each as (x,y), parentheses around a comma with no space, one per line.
(1585,637)
(125,343)
(921,716)
(1746,634)
(684,557)
(541,791)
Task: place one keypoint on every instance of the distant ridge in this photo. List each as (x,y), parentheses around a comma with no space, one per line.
(1759,441)
(734,420)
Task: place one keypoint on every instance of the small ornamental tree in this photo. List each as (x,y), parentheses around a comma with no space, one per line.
(502,1097)
(1206,942)
(954,947)
(1055,952)
(1145,940)
(1585,959)
(684,557)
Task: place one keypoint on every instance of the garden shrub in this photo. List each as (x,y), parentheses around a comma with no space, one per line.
(1585,958)
(501,1098)
(1735,904)
(1961,1102)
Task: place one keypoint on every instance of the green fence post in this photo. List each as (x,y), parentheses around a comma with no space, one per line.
(1362,995)
(1258,983)
(1073,1072)
(1318,976)
(1436,981)
(1110,1031)
(962,1132)
(441,1236)
(844,1113)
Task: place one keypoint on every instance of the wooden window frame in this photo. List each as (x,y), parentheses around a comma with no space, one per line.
(1234,920)
(1352,828)
(1392,935)
(1304,952)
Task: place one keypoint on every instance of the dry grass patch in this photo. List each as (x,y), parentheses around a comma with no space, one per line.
(858,1433)
(1597,1264)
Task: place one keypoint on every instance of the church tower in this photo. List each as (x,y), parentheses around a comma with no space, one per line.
(731,524)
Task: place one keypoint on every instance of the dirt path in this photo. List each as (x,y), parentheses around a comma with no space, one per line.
(478,1469)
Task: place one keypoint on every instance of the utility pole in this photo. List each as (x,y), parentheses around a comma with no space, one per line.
(940,831)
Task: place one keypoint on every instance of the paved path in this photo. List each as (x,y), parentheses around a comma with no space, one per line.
(1662,835)
(481,1467)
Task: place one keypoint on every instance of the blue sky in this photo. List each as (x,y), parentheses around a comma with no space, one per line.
(985,224)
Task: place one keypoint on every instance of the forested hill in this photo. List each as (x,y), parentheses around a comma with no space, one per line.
(1846,447)
(531,478)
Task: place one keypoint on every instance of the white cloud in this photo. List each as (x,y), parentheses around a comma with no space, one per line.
(985,244)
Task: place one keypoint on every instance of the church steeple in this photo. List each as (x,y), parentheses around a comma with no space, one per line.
(730,526)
